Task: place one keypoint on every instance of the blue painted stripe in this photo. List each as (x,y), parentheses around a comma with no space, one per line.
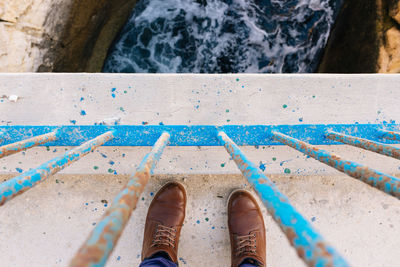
(196,135)
(309,244)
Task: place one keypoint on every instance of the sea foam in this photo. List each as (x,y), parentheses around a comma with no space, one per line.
(220,36)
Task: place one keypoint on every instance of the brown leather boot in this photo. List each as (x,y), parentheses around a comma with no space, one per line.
(164,221)
(246,229)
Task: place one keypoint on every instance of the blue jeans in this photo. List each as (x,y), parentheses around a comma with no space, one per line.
(163,262)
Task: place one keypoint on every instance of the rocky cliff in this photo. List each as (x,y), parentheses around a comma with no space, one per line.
(74,35)
(365,39)
(58,35)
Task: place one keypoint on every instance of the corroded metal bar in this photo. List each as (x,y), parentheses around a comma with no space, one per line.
(391,135)
(98,247)
(27,180)
(309,244)
(373,146)
(28,143)
(386,183)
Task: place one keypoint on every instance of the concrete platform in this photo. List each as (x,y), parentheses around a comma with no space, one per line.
(46,225)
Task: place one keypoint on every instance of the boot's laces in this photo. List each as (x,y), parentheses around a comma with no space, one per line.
(164,236)
(246,243)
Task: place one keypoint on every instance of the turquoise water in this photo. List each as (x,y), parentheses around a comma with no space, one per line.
(223,36)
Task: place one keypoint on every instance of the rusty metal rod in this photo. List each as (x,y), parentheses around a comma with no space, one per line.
(391,135)
(386,183)
(366,144)
(27,180)
(309,244)
(102,240)
(28,143)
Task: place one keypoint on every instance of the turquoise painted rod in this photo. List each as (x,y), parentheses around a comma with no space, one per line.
(390,135)
(309,244)
(29,179)
(366,144)
(104,237)
(16,147)
(384,182)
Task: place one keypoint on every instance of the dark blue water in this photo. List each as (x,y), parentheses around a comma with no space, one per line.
(223,36)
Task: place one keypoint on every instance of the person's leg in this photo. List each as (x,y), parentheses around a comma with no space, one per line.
(248,265)
(246,230)
(158,262)
(163,226)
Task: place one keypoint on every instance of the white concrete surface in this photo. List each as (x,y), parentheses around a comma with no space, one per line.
(46,225)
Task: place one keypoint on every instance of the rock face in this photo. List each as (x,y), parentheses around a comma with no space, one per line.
(365,39)
(394,10)
(58,35)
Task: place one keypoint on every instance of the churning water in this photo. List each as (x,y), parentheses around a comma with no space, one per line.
(219,36)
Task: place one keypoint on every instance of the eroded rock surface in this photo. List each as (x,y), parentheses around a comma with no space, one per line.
(365,39)
(390,47)
(394,10)
(58,35)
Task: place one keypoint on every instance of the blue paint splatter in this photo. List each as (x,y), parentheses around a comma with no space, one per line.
(19,170)
(73,121)
(111,162)
(262,166)
(83,113)
(118,258)
(113,90)
(82,98)
(103,155)
(300,119)
(198,221)
(313,219)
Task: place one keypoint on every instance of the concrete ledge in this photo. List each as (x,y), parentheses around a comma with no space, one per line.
(188,99)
